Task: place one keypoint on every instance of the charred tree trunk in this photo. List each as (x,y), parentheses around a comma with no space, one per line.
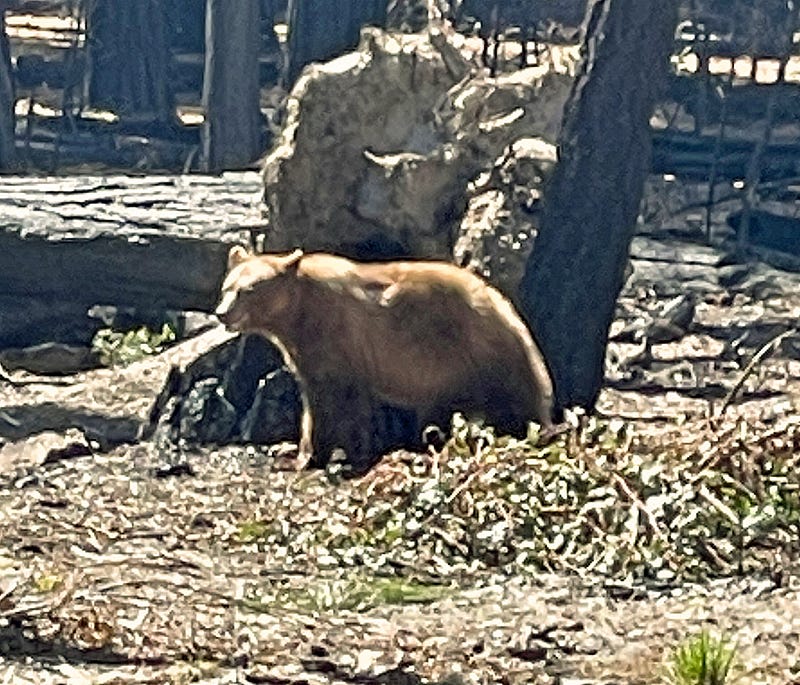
(575,272)
(319,31)
(269,11)
(7,150)
(130,59)
(187,19)
(232,132)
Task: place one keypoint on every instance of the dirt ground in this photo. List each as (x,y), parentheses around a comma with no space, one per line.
(119,563)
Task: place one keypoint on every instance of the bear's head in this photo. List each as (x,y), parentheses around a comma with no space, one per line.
(258,289)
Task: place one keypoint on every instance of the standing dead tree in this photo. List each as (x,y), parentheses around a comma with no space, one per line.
(575,272)
(129,59)
(319,31)
(232,132)
(7,149)
(753,176)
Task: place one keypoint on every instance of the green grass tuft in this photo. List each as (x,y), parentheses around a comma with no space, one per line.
(701,660)
(253,531)
(353,593)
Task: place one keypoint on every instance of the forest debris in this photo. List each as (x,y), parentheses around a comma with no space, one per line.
(404,537)
(49,359)
(43,448)
(670,323)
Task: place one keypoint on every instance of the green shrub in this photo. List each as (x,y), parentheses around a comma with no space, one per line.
(119,348)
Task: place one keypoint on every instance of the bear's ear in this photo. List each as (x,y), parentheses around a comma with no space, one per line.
(292,261)
(236,256)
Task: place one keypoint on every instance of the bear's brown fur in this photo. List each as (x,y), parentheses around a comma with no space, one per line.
(429,336)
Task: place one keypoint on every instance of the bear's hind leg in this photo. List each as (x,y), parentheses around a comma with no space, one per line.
(506,406)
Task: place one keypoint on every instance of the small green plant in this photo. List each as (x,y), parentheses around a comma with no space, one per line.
(354,593)
(252,531)
(48,582)
(701,660)
(118,348)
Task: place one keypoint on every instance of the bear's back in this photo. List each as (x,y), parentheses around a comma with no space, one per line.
(402,281)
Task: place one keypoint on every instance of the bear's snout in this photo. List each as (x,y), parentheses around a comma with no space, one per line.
(224,310)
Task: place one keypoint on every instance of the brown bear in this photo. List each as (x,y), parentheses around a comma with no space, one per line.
(423,335)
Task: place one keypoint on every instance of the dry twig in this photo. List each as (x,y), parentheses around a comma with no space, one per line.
(767,349)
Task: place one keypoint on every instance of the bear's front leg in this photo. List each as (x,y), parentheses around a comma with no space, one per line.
(326,413)
(305,446)
(305,443)
(341,416)
(358,430)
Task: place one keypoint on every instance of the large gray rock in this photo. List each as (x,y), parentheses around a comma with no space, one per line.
(497,232)
(379,145)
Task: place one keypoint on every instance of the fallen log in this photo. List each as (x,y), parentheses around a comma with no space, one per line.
(49,285)
(744,102)
(689,155)
(156,244)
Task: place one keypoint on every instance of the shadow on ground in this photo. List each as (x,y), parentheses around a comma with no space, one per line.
(17,644)
(22,421)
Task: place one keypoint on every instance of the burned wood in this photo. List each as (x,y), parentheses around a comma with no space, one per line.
(776,258)
(754,168)
(617,165)
(712,177)
(692,156)
(753,177)
(137,145)
(129,55)
(745,102)
(232,131)
(319,32)
(7,98)
(136,155)
(769,230)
